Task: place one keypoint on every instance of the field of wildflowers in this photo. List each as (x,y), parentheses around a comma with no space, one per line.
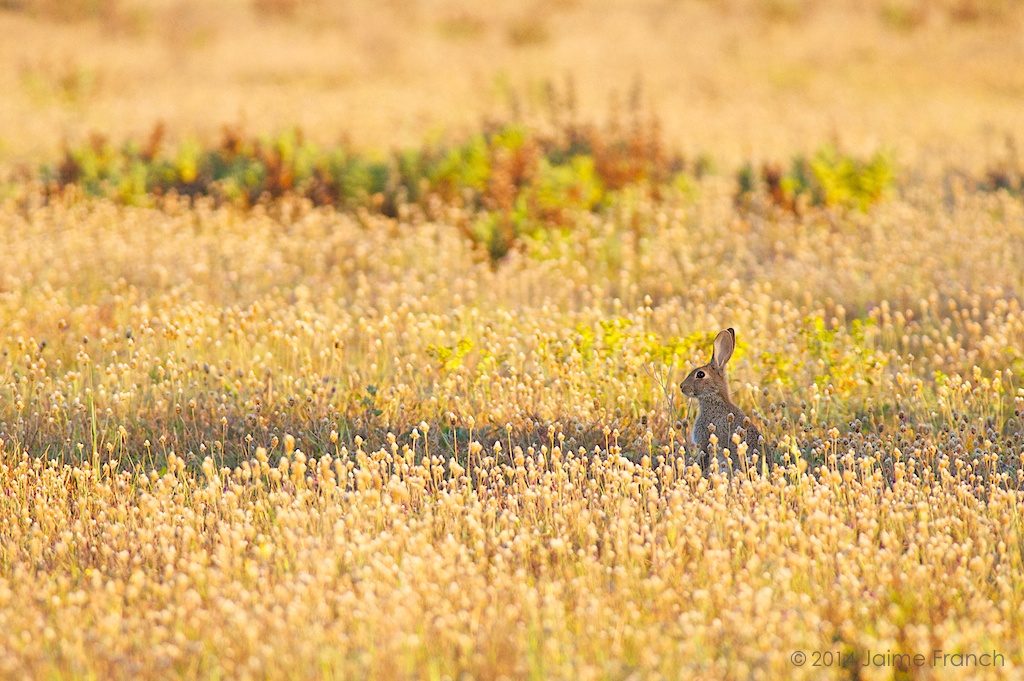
(279,407)
(297,440)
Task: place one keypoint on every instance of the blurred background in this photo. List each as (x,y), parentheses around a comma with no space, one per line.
(747,79)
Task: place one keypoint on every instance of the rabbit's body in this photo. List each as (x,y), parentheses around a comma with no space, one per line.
(726,419)
(717,414)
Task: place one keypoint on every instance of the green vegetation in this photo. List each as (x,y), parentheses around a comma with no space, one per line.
(504,186)
(510,180)
(826,178)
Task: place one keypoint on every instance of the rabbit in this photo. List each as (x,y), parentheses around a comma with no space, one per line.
(708,386)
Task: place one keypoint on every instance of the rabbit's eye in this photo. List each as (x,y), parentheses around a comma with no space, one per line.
(700,374)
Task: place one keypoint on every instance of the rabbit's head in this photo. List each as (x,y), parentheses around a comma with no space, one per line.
(709,380)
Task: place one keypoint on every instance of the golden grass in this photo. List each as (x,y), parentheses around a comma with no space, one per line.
(541,563)
(730,78)
(287,442)
(298,325)
(483,472)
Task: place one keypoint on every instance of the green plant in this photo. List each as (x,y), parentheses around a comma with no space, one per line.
(515,180)
(828,178)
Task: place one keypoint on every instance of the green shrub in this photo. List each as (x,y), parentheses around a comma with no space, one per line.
(515,180)
(846,181)
(827,178)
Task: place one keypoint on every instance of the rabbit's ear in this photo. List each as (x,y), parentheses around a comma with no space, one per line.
(725,343)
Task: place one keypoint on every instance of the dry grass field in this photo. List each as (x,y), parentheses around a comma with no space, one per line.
(737,78)
(397,396)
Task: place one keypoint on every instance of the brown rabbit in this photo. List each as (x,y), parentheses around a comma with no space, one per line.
(717,412)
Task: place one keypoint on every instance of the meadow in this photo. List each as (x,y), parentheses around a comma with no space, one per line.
(282,402)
